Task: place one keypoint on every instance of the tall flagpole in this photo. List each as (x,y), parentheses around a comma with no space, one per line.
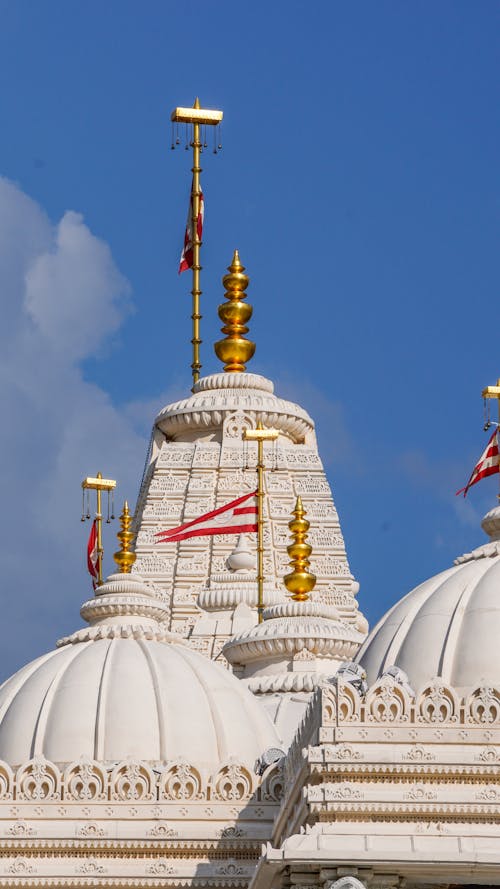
(196,117)
(260,435)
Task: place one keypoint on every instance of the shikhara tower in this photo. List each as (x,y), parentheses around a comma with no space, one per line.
(199,461)
(130,757)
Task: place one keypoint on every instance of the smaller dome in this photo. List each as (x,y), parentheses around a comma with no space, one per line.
(447,627)
(126,687)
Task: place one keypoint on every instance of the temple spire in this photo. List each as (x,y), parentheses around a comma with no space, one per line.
(235,349)
(125,557)
(300,581)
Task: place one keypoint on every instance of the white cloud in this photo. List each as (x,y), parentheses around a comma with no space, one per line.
(62,297)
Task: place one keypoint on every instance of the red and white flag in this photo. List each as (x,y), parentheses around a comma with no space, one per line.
(93,555)
(186,260)
(237,517)
(488,464)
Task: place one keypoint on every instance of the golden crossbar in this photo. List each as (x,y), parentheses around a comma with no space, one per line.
(99,484)
(196,115)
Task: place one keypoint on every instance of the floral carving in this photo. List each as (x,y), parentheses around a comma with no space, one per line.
(387,701)
(231,832)
(273,783)
(488,754)
(85,780)
(230,869)
(90,830)
(232,782)
(91,867)
(6,781)
(161,868)
(21,866)
(491,793)
(181,782)
(419,792)
(343,792)
(419,754)
(484,705)
(349,703)
(163,831)
(38,780)
(341,752)
(21,829)
(438,703)
(132,781)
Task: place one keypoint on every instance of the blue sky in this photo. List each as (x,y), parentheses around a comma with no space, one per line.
(359,180)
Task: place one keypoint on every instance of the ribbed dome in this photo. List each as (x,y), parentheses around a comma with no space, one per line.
(125,687)
(447,627)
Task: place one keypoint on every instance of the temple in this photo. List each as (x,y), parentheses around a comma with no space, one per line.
(223,717)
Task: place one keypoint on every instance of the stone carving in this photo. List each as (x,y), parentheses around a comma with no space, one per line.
(343,793)
(170,483)
(233,782)
(20,867)
(230,869)
(37,780)
(419,792)
(488,754)
(484,705)
(132,781)
(161,868)
(491,794)
(91,867)
(181,782)
(90,831)
(387,701)
(21,829)
(312,484)
(206,455)
(154,564)
(6,781)
(163,831)
(341,753)
(273,782)
(84,780)
(419,754)
(175,454)
(438,703)
(345,883)
(231,833)
(236,424)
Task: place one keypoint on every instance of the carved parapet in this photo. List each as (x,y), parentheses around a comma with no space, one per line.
(217,397)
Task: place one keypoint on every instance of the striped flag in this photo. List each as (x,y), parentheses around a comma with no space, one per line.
(186,260)
(93,555)
(237,517)
(488,464)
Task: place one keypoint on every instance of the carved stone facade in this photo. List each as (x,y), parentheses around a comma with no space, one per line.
(133,825)
(199,462)
(391,788)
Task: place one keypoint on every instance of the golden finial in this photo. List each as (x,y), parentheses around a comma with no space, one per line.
(235,350)
(300,581)
(125,557)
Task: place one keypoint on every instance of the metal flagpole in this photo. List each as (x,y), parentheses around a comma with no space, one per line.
(260,435)
(494,392)
(197,117)
(99,484)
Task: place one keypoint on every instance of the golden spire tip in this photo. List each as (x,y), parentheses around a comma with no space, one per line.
(197,103)
(235,349)
(125,557)
(300,581)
